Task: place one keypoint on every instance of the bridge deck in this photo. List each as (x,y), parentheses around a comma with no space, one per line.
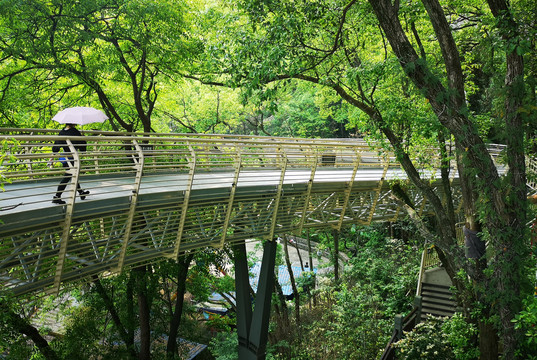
(28,204)
(26,196)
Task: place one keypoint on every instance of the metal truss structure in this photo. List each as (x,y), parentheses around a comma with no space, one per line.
(155,196)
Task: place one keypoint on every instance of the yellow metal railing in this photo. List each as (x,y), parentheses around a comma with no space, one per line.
(430,259)
(161,195)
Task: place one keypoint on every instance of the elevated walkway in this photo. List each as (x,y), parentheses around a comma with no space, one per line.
(161,195)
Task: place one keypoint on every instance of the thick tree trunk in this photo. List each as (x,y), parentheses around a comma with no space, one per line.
(509,270)
(488,333)
(488,340)
(175,320)
(505,216)
(445,168)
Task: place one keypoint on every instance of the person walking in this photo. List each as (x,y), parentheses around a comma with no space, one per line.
(80,145)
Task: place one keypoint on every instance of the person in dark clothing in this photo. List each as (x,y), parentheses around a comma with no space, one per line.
(80,145)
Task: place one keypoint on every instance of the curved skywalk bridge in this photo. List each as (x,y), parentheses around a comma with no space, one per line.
(155,196)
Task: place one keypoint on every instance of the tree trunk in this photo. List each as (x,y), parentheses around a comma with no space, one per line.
(505,215)
(130,322)
(488,336)
(311,265)
(284,310)
(124,333)
(21,326)
(508,269)
(143,313)
(445,168)
(310,255)
(299,255)
(175,320)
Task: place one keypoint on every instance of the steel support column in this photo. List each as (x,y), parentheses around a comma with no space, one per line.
(252,327)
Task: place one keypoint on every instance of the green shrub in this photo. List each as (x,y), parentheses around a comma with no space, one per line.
(224,346)
(439,339)
(526,321)
(459,334)
(426,341)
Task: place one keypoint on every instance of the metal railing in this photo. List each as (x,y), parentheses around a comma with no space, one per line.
(402,325)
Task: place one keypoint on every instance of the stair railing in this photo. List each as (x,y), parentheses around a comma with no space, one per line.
(430,259)
(402,325)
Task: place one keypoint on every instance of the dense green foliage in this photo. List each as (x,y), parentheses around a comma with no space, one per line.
(421,73)
(526,320)
(109,54)
(439,339)
(356,319)
(352,319)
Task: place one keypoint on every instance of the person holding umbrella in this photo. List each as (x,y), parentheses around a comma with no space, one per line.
(71,117)
(80,145)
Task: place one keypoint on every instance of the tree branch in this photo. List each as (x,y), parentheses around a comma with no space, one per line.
(23,327)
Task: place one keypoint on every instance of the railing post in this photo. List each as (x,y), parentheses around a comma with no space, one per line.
(69,208)
(308,192)
(377,192)
(417,304)
(139,166)
(348,190)
(238,164)
(186,200)
(278,194)
(398,325)
(422,270)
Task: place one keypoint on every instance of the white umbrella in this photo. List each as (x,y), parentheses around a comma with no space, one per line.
(80,115)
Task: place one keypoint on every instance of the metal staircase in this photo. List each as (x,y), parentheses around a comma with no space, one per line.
(433,298)
(434,287)
(436,300)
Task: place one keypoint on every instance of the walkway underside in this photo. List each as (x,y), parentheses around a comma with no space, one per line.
(98,228)
(161,204)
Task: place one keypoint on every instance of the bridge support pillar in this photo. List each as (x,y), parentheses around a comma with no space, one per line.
(252,326)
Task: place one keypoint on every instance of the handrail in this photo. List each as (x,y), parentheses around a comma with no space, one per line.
(493,149)
(402,324)
(116,154)
(183,136)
